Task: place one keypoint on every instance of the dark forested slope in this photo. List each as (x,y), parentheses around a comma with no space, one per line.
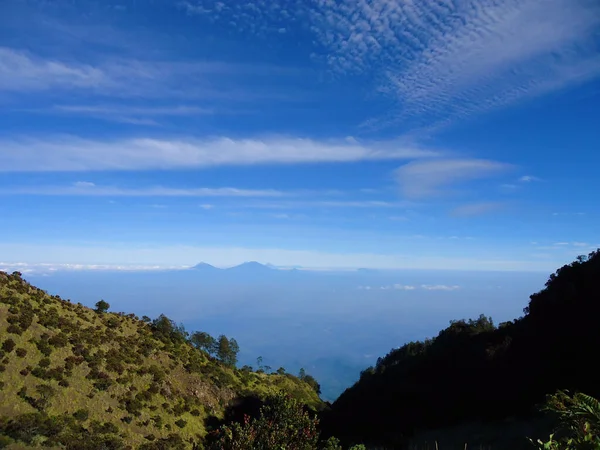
(476,370)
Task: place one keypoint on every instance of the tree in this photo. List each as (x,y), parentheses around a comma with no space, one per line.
(204,341)
(102,307)
(227,350)
(312,382)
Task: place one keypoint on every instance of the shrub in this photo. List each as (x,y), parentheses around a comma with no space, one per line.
(44,362)
(181,423)
(2,368)
(282,423)
(14,329)
(21,352)
(81,415)
(59,340)
(8,345)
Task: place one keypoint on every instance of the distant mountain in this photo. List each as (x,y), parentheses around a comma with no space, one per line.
(251,267)
(205,267)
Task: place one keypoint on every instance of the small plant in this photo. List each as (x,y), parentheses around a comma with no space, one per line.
(81,415)
(579,422)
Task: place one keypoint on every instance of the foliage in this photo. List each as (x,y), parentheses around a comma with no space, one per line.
(102,307)
(227,350)
(283,423)
(204,341)
(579,422)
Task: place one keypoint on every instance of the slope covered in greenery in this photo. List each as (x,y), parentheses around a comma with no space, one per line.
(474,370)
(80,378)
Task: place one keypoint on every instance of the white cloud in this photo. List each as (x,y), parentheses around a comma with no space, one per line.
(84,184)
(25,72)
(528,178)
(90,189)
(439,287)
(403,287)
(29,268)
(441,59)
(207,206)
(21,71)
(68,153)
(461,57)
(433,177)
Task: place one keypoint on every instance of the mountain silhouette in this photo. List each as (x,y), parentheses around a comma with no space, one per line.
(250,267)
(205,267)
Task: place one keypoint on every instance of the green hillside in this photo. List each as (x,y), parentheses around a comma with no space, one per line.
(80,378)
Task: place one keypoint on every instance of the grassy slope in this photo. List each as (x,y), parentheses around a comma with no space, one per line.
(120,371)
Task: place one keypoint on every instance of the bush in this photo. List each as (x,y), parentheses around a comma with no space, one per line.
(14,329)
(283,423)
(181,423)
(21,352)
(8,345)
(44,362)
(81,415)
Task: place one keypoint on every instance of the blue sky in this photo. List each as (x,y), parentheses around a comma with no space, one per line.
(387,133)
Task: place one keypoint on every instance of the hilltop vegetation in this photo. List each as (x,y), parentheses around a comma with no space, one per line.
(474,370)
(80,378)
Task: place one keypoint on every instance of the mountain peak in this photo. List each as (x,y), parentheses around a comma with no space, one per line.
(203,266)
(251,265)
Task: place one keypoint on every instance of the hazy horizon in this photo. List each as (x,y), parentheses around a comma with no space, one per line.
(333,324)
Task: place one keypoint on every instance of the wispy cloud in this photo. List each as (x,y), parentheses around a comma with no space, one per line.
(20,71)
(70,153)
(528,179)
(442,59)
(448,59)
(364,204)
(565,246)
(141,115)
(402,287)
(433,177)
(439,287)
(25,72)
(90,189)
